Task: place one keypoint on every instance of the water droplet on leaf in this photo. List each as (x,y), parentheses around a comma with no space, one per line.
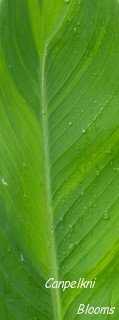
(4,181)
(106,215)
(21,257)
(75,30)
(70,123)
(116,169)
(71,246)
(24,164)
(11,300)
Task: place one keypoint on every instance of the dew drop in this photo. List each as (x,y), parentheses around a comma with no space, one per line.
(70,227)
(106,215)
(4,181)
(70,123)
(66,1)
(11,300)
(116,169)
(83,130)
(83,169)
(109,151)
(75,30)
(71,246)
(21,257)
(91,209)
(97,172)
(24,164)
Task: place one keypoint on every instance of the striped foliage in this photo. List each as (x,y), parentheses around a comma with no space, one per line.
(59,156)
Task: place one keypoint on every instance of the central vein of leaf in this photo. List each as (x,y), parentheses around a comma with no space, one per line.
(48,199)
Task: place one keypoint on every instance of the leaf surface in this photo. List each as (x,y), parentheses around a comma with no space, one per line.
(59,156)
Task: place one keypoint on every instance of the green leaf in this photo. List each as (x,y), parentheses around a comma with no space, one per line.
(59,157)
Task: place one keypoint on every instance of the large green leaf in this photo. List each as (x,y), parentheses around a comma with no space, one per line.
(59,147)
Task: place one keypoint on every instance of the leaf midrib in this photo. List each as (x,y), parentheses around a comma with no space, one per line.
(47,181)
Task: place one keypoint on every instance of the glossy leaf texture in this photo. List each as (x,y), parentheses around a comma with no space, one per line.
(59,156)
